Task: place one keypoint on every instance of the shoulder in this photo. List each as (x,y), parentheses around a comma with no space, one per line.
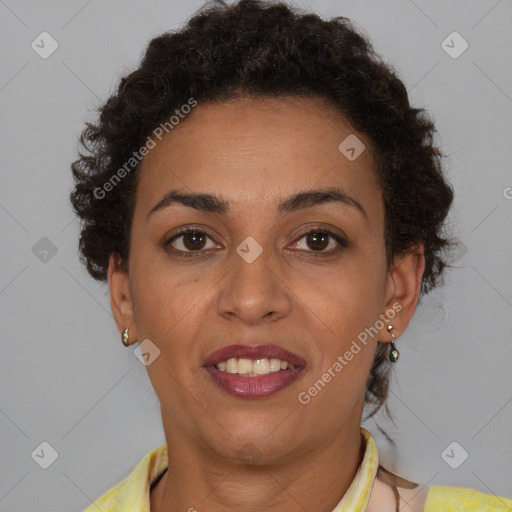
(455,499)
(435,499)
(132,493)
(108,501)
(383,499)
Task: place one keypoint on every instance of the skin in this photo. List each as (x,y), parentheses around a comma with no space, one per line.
(254,153)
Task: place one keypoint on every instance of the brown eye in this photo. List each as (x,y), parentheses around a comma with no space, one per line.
(318,240)
(189,241)
(194,240)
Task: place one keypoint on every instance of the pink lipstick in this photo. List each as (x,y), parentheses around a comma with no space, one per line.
(253,371)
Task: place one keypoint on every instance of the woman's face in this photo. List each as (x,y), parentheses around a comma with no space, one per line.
(253,277)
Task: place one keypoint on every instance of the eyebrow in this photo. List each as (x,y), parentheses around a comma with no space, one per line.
(213,204)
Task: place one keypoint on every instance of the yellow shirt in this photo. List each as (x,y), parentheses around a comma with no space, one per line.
(132,493)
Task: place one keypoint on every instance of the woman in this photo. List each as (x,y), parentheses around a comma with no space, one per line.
(268,210)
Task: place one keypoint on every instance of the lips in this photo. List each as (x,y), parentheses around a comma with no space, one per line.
(253,387)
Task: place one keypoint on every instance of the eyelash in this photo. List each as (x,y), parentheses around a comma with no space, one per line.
(343,244)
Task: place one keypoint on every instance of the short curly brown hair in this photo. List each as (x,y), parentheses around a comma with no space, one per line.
(264,49)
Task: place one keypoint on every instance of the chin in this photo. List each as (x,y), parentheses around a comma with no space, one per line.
(254,438)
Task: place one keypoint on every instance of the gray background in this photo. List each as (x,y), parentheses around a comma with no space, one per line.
(66,378)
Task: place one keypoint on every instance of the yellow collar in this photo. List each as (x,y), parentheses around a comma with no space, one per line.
(358,494)
(133,492)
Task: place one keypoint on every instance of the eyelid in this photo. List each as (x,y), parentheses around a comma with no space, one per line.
(342,240)
(183,231)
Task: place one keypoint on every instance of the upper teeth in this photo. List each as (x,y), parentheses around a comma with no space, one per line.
(251,367)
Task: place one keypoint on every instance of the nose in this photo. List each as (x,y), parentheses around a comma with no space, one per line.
(253,292)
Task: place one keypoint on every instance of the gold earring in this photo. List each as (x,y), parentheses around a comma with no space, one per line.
(393,352)
(125,338)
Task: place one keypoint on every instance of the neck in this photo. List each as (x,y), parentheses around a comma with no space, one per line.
(316,480)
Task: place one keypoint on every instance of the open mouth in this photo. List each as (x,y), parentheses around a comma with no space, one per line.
(253,368)
(254,371)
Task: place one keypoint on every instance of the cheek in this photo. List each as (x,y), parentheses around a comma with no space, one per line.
(341,308)
(161,297)
(345,354)
(164,309)
(346,300)
(166,313)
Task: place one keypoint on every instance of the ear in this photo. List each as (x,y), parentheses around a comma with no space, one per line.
(403,288)
(121,298)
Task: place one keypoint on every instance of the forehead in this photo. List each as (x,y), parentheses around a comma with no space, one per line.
(248,150)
